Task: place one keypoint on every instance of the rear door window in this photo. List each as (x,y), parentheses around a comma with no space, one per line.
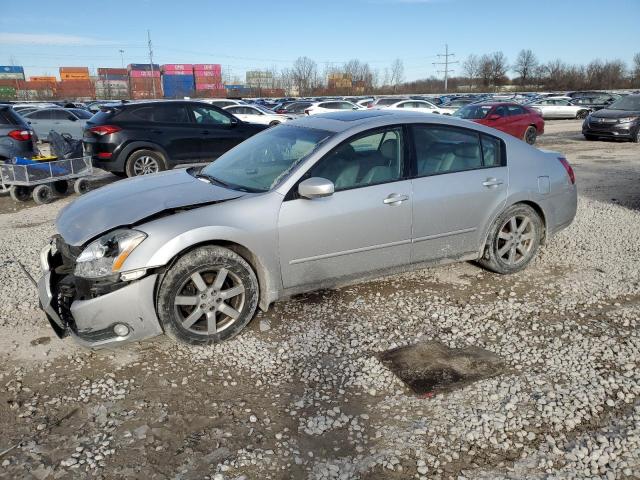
(209,116)
(442,150)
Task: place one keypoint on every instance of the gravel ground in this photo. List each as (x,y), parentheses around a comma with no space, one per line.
(302,393)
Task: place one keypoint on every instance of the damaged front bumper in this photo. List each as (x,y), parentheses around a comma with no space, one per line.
(113,315)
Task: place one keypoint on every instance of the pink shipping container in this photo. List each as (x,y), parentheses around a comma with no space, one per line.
(210,68)
(178,72)
(144,74)
(209,86)
(177,67)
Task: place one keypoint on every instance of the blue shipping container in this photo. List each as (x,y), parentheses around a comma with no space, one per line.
(143,66)
(11,69)
(177,85)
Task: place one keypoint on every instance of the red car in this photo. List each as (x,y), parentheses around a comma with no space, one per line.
(512,118)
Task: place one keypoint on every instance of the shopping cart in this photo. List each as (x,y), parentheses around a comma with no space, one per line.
(42,180)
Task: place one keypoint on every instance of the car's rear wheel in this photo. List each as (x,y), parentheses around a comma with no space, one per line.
(274,123)
(209,295)
(590,137)
(636,137)
(513,240)
(582,114)
(144,162)
(530,135)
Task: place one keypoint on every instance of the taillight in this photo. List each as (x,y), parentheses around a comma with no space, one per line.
(104,129)
(567,167)
(105,155)
(20,135)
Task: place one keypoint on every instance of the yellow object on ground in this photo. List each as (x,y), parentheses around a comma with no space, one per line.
(44,158)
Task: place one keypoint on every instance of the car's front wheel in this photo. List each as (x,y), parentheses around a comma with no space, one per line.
(144,162)
(513,240)
(582,114)
(209,295)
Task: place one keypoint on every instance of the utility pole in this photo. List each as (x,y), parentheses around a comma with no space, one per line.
(446,64)
(153,80)
(121,57)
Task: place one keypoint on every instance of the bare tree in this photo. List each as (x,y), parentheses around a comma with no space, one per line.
(485,70)
(635,79)
(499,66)
(397,73)
(525,65)
(471,68)
(305,75)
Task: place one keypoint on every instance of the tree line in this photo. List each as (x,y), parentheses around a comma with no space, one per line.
(487,72)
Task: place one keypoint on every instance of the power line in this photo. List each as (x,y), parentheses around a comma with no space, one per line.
(446,64)
(153,80)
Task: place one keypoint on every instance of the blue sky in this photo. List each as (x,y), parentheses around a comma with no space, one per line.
(246,34)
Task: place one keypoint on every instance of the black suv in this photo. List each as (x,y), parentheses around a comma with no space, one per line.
(621,119)
(16,136)
(138,138)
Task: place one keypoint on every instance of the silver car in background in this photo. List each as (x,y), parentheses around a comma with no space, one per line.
(317,202)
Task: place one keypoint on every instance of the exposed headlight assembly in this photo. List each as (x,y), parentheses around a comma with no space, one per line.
(106,255)
(626,119)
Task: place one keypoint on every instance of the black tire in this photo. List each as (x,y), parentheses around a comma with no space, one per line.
(42,194)
(206,263)
(590,137)
(61,187)
(19,194)
(81,186)
(530,135)
(144,162)
(582,114)
(500,238)
(274,123)
(636,137)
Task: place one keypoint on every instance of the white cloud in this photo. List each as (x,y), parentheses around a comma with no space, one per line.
(51,39)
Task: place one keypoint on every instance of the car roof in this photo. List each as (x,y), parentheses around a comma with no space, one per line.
(346,120)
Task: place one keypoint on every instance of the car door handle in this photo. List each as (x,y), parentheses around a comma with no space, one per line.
(395,199)
(492,182)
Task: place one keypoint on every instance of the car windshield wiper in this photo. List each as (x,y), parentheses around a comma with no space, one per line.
(231,186)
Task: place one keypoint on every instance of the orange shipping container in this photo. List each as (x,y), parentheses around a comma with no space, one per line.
(74,70)
(74,76)
(43,79)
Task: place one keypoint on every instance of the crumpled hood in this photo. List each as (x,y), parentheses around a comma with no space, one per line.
(129,201)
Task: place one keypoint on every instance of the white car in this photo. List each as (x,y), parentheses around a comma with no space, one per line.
(222,102)
(331,106)
(255,114)
(416,106)
(559,107)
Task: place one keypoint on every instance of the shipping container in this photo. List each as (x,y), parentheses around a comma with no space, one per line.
(73,76)
(177,67)
(144,74)
(209,86)
(15,83)
(110,76)
(11,69)
(112,71)
(74,70)
(11,76)
(39,85)
(175,86)
(7,93)
(208,79)
(143,66)
(184,73)
(216,68)
(43,79)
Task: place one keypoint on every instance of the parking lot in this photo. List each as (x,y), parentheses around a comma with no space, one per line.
(302,392)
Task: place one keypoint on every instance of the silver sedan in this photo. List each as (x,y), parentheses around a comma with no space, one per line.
(318,202)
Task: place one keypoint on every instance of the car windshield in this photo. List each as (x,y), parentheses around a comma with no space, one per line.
(387,101)
(473,112)
(82,114)
(259,163)
(630,102)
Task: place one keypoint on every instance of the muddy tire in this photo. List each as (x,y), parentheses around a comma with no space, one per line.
(530,135)
(209,295)
(42,194)
(61,187)
(145,162)
(590,137)
(513,240)
(636,137)
(582,114)
(19,194)
(81,186)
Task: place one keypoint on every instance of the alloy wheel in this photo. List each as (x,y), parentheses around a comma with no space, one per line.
(209,301)
(145,165)
(516,240)
(530,136)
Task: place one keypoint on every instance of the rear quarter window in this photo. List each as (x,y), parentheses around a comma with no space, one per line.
(103,116)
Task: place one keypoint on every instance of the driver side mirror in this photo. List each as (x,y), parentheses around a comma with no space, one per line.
(316,187)
(494,116)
